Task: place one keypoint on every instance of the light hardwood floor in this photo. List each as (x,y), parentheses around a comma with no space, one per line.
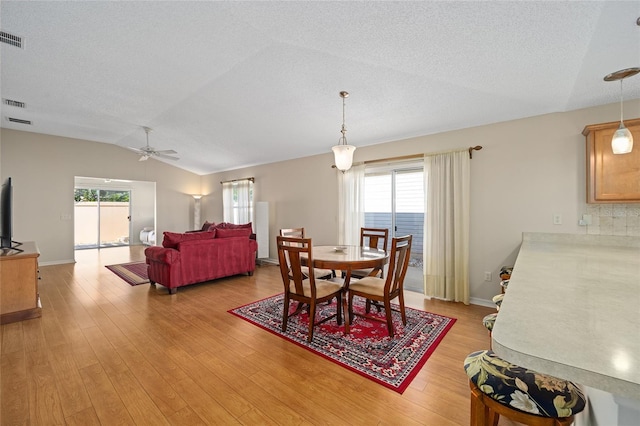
(108,353)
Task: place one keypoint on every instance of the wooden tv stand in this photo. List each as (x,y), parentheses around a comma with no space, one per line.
(19,298)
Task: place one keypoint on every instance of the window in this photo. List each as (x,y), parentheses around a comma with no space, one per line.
(237,201)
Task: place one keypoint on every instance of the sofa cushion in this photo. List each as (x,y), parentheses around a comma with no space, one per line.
(172,239)
(238,232)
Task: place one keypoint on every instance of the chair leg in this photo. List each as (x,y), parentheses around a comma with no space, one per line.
(312,320)
(350,306)
(285,313)
(402,312)
(339,310)
(387,311)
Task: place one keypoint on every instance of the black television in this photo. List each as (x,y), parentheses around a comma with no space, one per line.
(6,199)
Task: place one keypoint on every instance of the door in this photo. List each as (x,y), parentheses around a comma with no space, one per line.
(394,199)
(102,218)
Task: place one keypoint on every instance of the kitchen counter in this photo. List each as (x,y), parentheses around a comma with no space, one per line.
(572,310)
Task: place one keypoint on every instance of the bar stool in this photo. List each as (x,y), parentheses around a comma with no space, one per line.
(525,396)
(505,276)
(489,320)
(497,299)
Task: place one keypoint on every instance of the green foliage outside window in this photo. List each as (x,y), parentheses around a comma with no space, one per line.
(105,196)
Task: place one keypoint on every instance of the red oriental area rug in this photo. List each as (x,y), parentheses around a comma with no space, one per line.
(368,350)
(134,273)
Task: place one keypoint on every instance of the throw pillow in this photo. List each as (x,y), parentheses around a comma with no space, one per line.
(238,232)
(207,225)
(241,226)
(172,239)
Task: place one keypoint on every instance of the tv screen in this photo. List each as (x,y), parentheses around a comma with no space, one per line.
(5,214)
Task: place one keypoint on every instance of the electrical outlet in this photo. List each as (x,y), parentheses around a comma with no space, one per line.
(557,219)
(487,276)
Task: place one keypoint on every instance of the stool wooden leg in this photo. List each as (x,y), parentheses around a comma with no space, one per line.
(481,415)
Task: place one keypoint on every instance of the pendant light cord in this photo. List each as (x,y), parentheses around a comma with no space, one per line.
(343,139)
(621,105)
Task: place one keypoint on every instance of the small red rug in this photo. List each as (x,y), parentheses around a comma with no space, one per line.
(134,273)
(367,350)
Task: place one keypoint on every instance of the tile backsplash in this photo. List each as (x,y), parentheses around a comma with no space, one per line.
(614,219)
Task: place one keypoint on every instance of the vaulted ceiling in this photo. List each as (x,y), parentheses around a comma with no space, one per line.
(235,84)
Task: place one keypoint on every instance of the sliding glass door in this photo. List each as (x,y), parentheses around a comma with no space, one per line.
(394,199)
(102,218)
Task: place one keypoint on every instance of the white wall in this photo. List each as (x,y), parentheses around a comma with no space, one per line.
(43,168)
(527,171)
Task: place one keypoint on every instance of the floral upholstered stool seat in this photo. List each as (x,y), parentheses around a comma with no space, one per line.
(524,396)
(497,299)
(489,320)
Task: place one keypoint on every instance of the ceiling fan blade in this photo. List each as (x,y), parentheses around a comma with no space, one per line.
(165,151)
(144,157)
(167,157)
(138,150)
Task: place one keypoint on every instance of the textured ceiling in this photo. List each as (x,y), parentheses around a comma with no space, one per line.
(235,84)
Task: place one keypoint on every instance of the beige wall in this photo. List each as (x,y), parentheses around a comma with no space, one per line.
(529,170)
(43,168)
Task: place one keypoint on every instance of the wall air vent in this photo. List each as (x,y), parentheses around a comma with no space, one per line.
(13,103)
(11,39)
(19,121)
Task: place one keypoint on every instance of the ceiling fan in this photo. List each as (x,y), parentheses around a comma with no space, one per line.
(147,151)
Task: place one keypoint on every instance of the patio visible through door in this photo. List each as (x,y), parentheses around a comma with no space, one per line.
(394,199)
(102,218)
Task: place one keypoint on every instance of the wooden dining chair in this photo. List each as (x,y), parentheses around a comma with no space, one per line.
(299,233)
(372,238)
(305,289)
(383,290)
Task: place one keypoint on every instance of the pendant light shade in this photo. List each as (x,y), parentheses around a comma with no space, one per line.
(343,156)
(343,152)
(622,141)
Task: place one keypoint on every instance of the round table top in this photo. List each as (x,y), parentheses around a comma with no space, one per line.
(348,257)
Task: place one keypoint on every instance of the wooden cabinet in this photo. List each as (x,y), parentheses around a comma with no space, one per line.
(612,178)
(19,299)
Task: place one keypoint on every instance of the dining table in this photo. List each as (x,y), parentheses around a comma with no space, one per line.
(348,258)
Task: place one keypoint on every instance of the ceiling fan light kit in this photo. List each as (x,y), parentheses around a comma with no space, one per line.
(147,151)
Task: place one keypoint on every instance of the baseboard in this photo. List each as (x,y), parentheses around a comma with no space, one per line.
(56,262)
(482,302)
(266,261)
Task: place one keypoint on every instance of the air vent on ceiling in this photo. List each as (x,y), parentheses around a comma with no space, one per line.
(19,121)
(11,39)
(13,103)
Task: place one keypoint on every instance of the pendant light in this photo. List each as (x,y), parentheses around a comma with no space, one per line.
(622,141)
(343,152)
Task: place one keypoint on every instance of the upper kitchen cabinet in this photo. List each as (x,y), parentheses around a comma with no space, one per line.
(612,178)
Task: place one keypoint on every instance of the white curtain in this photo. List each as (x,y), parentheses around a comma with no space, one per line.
(446,242)
(237,201)
(350,205)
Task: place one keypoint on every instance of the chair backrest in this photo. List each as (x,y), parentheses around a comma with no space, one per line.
(374,237)
(398,264)
(291,252)
(292,232)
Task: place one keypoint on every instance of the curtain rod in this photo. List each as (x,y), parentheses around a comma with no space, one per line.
(415,156)
(252,179)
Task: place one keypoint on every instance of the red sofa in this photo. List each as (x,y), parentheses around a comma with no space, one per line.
(195,257)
